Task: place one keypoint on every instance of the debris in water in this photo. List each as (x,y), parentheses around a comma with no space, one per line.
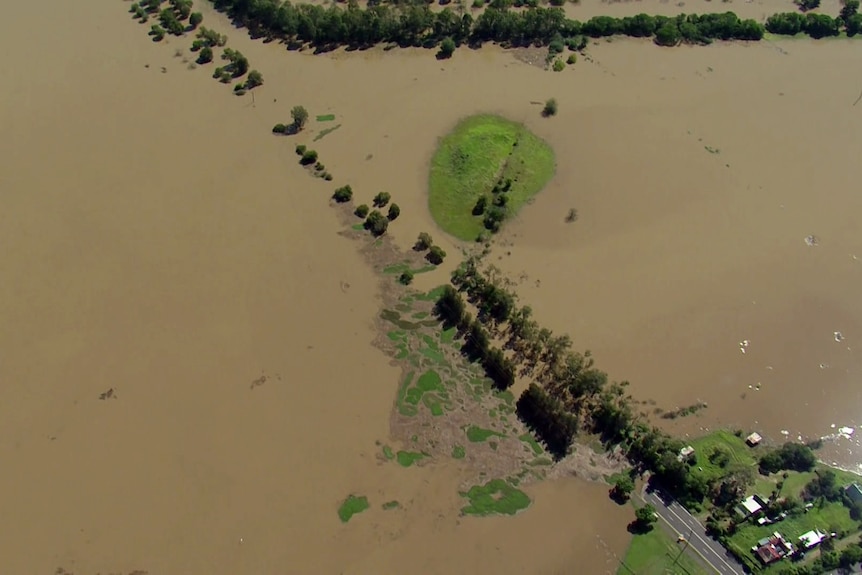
(811,240)
(846,431)
(824,366)
(838,336)
(785,432)
(743,344)
(769,367)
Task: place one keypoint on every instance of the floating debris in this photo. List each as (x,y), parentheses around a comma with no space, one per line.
(812,241)
(785,432)
(839,337)
(743,345)
(825,366)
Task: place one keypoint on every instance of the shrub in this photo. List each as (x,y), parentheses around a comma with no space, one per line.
(279,129)
(447,48)
(300,117)
(300,149)
(205,56)
(668,35)
(423,242)
(361,210)
(327,176)
(308,157)
(573,58)
(394,212)
(480,206)
(381,199)
(254,79)
(157,32)
(806,5)
(406,278)
(376,223)
(435,255)
(550,108)
(559,66)
(343,194)
(195,19)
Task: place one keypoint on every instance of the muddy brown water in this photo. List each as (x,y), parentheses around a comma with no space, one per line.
(163,246)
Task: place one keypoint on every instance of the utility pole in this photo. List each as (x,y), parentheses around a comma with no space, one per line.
(681,551)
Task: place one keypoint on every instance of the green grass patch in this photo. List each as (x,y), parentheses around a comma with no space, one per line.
(358,227)
(323,133)
(429,390)
(432,295)
(326,117)
(478,434)
(470,160)
(458,452)
(740,454)
(408,458)
(389,505)
(388,453)
(540,462)
(497,497)
(351,506)
(447,336)
(532,443)
(655,552)
(420,315)
(404,407)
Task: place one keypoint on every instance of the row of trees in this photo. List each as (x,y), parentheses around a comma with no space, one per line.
(415,24)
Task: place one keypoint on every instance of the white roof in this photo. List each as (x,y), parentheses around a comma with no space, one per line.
(751,505)
(811,538)
(754,438)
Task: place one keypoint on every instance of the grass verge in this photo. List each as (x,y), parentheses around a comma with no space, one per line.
(470,160)
(656,553)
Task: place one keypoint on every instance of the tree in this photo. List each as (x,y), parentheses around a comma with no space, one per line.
(850,9)
(300,117)
(850,556)
(550,108)
(806,5)
(205,56)
(361,210)
(376,223)
(668,35)
(343,194)
(622,487)
(435,255)
(447,48)
(308,157)
(406,278)
(394,212)
(645,517)
(381,199)
(254,79)
(423,242)
(195,19)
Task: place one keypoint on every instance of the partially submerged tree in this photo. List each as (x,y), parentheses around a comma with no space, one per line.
(300,117)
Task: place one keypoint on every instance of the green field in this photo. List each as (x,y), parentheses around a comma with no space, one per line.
(656,553)
(472,158)
(740,454)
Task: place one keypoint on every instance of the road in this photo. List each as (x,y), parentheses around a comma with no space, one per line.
(683,523)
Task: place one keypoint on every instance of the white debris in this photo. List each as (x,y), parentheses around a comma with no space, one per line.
(743,345)
(838,336)
(811,240)
(785,432)
(846,431)
(824,366)
(769,367)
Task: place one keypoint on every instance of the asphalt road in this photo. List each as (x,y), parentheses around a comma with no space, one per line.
(684,524)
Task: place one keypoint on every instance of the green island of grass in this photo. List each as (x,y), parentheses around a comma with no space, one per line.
(497,497)
(479,434)
(408,458)
(480,152)
(351,506)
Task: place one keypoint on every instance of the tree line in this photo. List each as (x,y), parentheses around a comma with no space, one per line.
(415,24)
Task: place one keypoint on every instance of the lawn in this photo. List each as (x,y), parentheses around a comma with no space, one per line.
(741,455)
(470,160)
(655,553)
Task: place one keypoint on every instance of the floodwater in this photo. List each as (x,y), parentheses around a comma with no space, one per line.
(187,381)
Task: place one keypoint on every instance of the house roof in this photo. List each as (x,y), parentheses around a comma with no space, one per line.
(854,492)
(751,505)
(811,538)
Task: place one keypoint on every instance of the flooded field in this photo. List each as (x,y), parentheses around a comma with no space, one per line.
(188,382)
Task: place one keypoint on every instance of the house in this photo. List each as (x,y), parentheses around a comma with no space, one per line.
(753,439)
(685,453)
(854,492)
(771,549)
(750,506)
(811,539)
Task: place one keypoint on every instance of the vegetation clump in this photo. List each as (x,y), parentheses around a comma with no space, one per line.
(300,117)
(550,108)
(376,223)
(351,506)
(343,194)
(361,210)
(497,497)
